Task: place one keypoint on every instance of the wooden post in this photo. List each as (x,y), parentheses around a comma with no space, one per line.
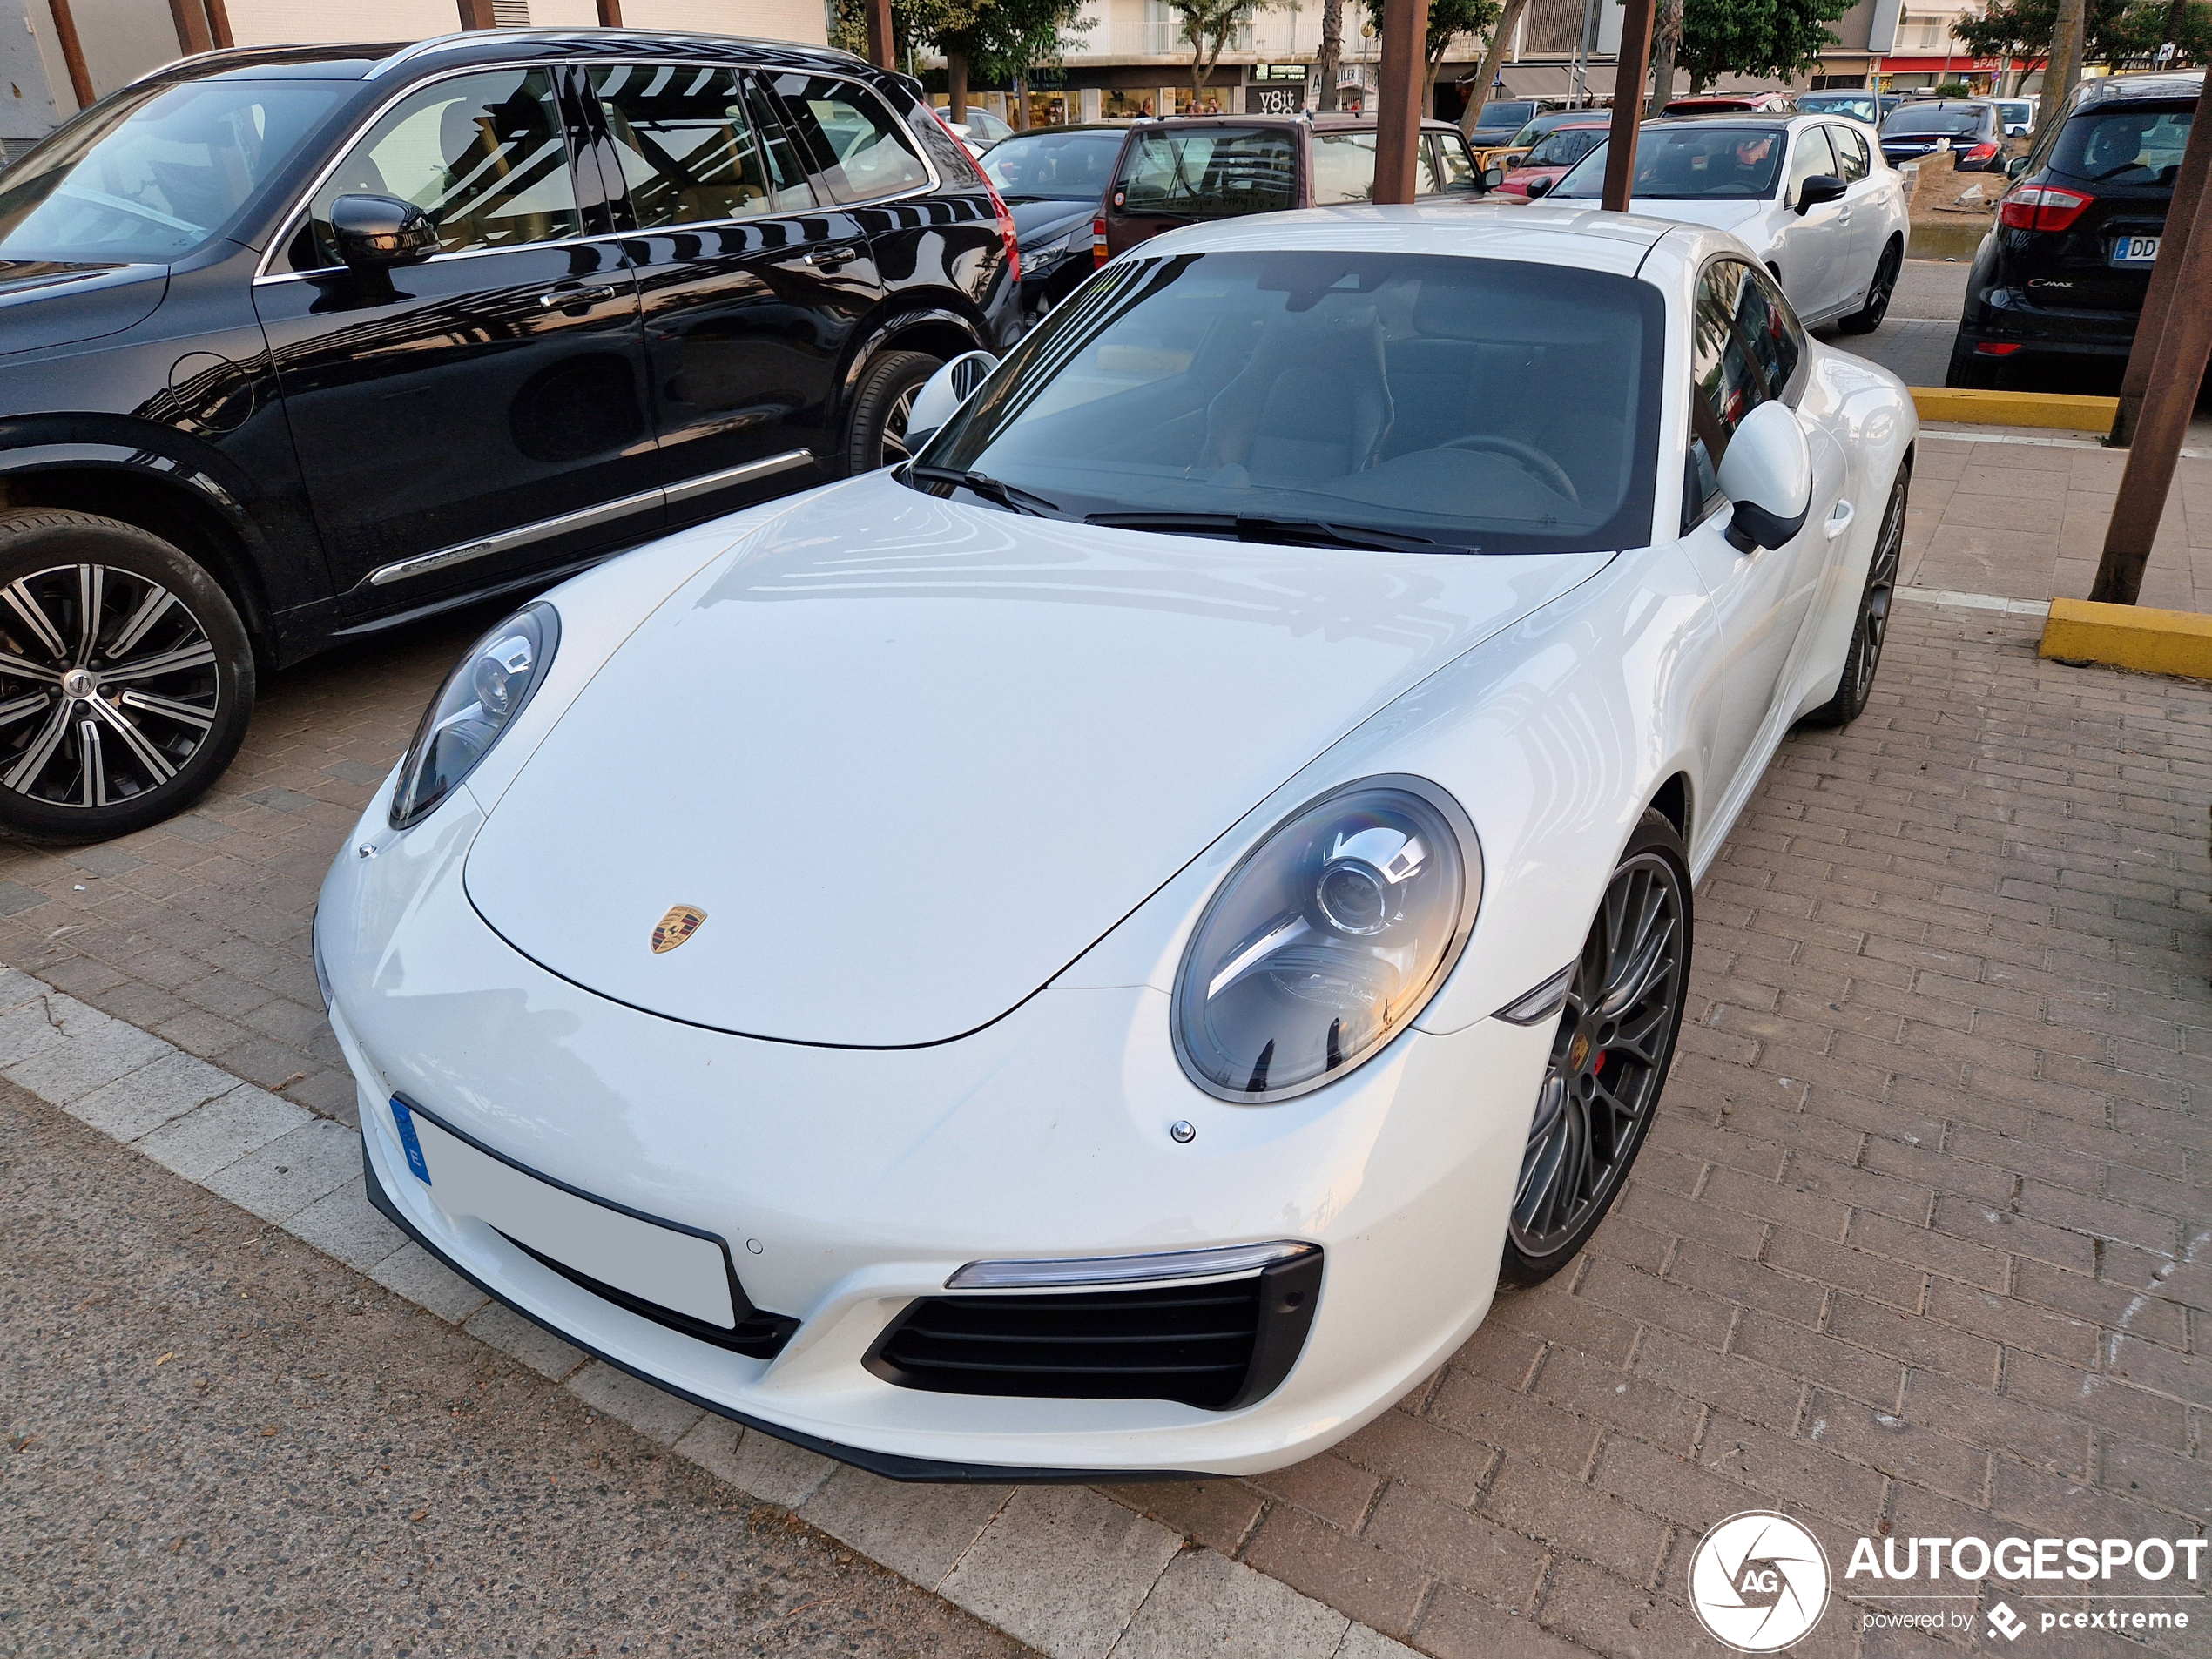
(476,14)
(190,21)
(2189,186)
(882,38)
(2176,368)
(1398,101)
(80,78)
(219,25)
(610,14)
(1627,105)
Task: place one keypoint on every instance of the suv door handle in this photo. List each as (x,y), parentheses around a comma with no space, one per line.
(828,258)
(576,299)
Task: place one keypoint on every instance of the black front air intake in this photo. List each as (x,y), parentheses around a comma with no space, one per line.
(1217,1345)
(759,1335)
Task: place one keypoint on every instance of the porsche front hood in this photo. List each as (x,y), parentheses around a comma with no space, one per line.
(910,758)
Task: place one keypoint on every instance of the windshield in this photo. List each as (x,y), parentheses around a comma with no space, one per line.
(1564,148)
(1511,113)
(1859,107)
(155,172)
(1056,166)
(2016,114)
(2123,147)
(1210,173)
(1937,120)
(1690,164)
(1410,398)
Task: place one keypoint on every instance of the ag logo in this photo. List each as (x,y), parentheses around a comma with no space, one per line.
(678,925)
(1758,1580)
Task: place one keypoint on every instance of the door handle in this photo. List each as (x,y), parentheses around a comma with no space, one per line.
(1839,518)
(828,258)
(576,299)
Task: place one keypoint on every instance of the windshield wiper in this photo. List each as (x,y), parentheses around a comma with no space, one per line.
(1010,496)
(1293,532)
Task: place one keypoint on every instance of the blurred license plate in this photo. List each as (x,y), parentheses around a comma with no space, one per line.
(2135,250)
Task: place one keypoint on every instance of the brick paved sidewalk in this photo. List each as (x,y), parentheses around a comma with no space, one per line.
(1922,1241)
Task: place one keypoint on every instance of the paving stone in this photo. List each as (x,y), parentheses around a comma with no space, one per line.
(62,1072)
(411,1271)
(654,1413)
(142,1101)
(915,1529)
(1063,1569)
(343,1223)
(756,1462)
(519,1339)
(210,1136)
(1205,1603)
(15,897)
(278,1181)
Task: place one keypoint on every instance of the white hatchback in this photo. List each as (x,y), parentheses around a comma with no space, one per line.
(1810,194)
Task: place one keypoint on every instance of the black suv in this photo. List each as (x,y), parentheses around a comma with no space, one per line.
(300,344)
(2062,275)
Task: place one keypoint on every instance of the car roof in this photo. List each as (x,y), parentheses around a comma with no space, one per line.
(353,61)
(1341,122)
(1737,119)
(2182,84)
(1587,238)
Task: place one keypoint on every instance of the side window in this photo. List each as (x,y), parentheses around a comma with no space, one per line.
(1344,168)
(1459,171)
(860,152)
(1744,350)
(1769,332)
(1852,153)
(483,155)
(690,148)
(1811,156)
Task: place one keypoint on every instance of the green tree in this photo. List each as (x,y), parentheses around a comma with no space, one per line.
(1446,20)
(2115,31)
(1207,27)
(1777,39)
(1500,37)
(996,41)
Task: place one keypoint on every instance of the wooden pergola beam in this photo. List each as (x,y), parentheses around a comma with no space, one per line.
(1398,100)
(1629,79)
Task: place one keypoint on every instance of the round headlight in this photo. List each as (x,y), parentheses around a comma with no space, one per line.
(1327,939)
(478,702)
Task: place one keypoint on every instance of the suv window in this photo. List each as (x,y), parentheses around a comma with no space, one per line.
(1209,173)
(2123,145)
(690,148)
(1344,168)
(483,155)
(861,151)
(1458,169)
(1744,350)
(1811,156)
(1852,154)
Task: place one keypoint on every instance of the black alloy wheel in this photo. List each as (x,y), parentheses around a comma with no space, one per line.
(1870,627)
(1866,319)
(882,407)
(1609,1056)
(126,679)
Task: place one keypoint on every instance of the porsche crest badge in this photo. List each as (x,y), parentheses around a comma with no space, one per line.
(678,925)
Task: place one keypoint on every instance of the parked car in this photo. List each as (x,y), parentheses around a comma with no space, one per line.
(1054,180)
(1967,128)
(1554,153)
(2017,114)
(1860,106)
(1268,768)
(1505,155)
(979,130)
(1731,103)
(1501,118)
(304,342)
(1809,194)
(1177,171)
(2063,273)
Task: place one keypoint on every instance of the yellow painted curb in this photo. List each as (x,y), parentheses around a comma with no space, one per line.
(2062,409)
(2156,642)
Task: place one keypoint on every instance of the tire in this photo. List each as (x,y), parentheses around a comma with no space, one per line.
(1869,627)
(1633,976)
(1969,373)
(877,435)
(1869,317)
(163,677)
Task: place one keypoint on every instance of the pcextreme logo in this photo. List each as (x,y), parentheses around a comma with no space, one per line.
(1760,1580)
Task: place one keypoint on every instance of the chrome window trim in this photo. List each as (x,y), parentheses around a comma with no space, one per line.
(300,204)
(582,518)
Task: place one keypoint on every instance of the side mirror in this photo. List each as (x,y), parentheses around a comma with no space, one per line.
(942,393)
(1493,176)
(373,231)
(2016,166)
(1541,187)
(1767,472)
(1821,188)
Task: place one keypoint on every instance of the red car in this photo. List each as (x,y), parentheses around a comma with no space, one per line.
(1553,154)
(1733,103)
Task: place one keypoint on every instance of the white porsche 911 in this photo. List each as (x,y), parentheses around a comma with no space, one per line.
(1093,954)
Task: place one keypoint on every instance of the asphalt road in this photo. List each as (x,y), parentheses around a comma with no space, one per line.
(219,1440)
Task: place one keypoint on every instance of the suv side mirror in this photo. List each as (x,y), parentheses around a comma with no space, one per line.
(1541,187)
(2016,166)
(942,393)
(1493,176)
(1820,187)
(373,231)
(1767,472)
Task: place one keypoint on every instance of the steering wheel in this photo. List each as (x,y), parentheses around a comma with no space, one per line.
(1530,458)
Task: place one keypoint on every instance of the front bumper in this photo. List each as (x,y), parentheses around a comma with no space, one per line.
(851,1183)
